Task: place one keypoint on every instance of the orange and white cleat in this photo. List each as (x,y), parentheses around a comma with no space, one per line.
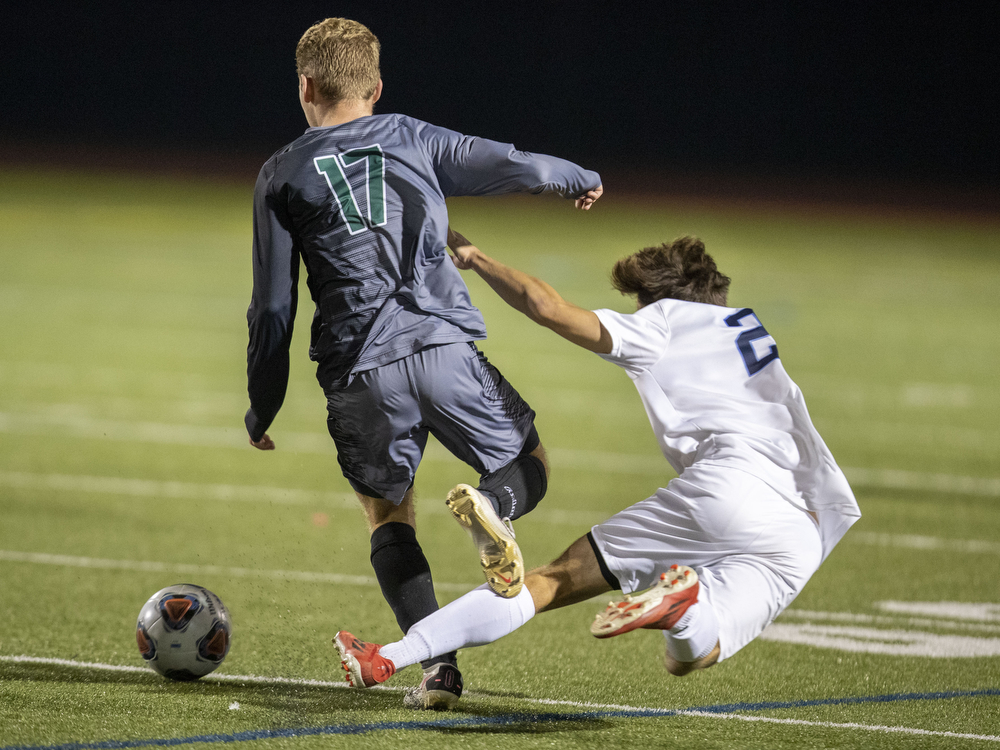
(657,608)
(364,665)
(499,554)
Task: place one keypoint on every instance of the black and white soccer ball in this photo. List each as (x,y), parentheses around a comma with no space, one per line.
(184,631)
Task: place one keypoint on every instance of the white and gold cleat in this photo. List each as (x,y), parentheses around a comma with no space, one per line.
(498,552)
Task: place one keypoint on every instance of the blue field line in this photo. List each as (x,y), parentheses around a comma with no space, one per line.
(500,720)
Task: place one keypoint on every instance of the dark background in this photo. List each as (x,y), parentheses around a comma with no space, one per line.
(856,91)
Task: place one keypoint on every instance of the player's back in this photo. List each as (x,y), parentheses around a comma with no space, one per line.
(365,205)
(725,384)
(715,390)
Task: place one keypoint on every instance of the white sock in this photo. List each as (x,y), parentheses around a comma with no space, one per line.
(474,619)
(695,634)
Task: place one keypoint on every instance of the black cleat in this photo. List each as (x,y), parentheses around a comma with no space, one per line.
(439,690)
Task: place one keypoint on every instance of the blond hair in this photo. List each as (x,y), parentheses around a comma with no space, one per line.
(341,56)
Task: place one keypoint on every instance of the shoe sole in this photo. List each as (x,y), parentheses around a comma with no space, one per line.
(499,554)
(350,664)
(432,700)
(440,700)
(659,608)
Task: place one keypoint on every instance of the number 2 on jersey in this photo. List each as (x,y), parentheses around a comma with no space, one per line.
(744,342)
(334,169)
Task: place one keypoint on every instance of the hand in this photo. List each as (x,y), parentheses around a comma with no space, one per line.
(463,250)
(585,201)
(264,444)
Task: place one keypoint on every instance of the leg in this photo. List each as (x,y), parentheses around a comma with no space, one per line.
(481,617)
(507,493)
(673,606)
(379,511)
(572,577)
(541,455)
(399,562)
(681,668)
(379,445)
(517,487)
(380,442)
(481,419)
(499,555)
(400,565)
(753,551)
(479,511)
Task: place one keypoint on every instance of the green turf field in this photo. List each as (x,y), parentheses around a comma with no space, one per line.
(124,468)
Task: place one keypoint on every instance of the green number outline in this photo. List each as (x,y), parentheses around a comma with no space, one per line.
(343,193)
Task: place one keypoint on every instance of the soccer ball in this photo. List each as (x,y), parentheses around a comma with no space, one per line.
(183,631)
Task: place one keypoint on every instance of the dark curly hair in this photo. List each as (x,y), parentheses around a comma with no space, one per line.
(678,270)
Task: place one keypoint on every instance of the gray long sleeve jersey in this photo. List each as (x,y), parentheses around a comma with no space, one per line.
(363,205)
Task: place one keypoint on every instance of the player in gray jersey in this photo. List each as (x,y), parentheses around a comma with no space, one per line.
(360,200)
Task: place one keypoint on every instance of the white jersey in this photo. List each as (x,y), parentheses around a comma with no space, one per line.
(715,391)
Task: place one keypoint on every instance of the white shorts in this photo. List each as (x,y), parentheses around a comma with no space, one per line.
(752,549)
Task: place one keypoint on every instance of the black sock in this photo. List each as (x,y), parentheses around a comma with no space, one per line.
(404,577)
(516,488)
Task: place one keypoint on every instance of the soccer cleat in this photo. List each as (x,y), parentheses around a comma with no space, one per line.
(498,552)
(439,690)
(658,608)
(364,665)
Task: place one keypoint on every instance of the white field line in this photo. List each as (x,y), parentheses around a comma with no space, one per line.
(914,541)
(539,701)
(216,677)
(174,490)
(860,640)
(917,622)
(77,426)
(846,725)
(147,566)
(150,488)
(896,479)
(977,612)
(69,425)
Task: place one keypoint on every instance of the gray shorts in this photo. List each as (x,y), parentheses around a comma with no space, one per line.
(381,420)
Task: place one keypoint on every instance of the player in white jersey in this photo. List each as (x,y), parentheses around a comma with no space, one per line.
(758,504)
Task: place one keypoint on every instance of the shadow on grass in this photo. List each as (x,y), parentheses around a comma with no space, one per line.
(315,705)
(528,724)
(267,695)
(277,710)
(29,672)
(507,694)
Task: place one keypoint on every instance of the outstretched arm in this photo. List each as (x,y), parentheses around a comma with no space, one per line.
(466,165)
(533,297)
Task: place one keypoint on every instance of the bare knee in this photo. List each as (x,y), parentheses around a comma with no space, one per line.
(542,456)
(681,668)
